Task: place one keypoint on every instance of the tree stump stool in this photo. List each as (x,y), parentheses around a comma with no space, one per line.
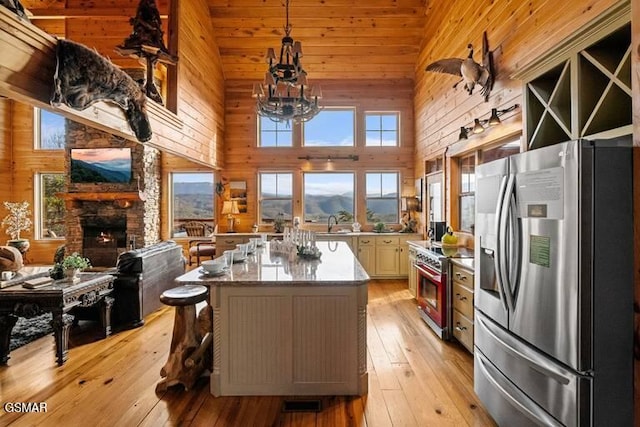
(181,366)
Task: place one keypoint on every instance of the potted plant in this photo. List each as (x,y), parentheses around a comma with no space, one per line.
(16,221)
(73,264)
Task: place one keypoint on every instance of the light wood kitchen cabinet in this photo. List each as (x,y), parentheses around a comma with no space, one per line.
(404,254)
(367,253)
(227,242)
(412,279)
(387,256)
(462,295)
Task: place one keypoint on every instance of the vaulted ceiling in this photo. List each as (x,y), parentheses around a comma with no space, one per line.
(341,39)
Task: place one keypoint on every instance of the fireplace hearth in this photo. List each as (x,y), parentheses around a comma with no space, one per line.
(103,239)
(103,219)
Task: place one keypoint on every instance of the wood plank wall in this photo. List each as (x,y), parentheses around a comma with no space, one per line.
(200,78)
(27,163)
(200,84)
(635,84)
(243,160)
(5,157)
(519,32)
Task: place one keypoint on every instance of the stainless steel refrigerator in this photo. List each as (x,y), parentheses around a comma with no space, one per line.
(554,285)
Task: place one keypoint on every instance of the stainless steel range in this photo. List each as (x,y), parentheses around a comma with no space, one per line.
(433,291)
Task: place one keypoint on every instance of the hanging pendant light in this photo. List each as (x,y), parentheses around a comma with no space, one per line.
(285,94)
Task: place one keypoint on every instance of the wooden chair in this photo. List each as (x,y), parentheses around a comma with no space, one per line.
(202,248)
(195,228)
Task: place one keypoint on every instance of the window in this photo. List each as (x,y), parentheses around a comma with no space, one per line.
(382,197)
(50,208)
(435,197)
(272,134)
(191,200)
(503,150)
(330,128)
(49,130)
(327,193)
(467,192)
(276,196)
(381,129)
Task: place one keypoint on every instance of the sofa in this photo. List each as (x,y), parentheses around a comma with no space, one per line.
(141,277)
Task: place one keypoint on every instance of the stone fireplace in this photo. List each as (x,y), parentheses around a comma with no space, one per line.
(106,219)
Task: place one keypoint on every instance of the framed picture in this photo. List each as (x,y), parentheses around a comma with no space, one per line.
(49,130)
(238,192)
(419,193)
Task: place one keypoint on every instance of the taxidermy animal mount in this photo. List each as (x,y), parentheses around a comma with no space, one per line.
(15,7)
(83,77)
(471,72)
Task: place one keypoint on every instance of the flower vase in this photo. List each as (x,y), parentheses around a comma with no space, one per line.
(71,274)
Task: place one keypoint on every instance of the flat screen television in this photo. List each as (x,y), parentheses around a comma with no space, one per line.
(93,165)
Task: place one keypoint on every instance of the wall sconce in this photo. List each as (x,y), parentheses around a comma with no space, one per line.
(479,125)
(230,208)
(353,157)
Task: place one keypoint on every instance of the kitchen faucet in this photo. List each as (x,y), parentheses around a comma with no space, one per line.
(329,226)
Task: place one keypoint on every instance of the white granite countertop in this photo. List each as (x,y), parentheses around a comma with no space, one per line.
(467,263)
(337,266)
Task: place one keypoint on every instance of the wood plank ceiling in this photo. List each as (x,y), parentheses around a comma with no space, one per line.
(341,39)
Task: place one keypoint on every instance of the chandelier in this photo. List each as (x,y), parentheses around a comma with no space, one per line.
(285,94)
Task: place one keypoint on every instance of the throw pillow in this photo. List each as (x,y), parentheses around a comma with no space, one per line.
(10,259)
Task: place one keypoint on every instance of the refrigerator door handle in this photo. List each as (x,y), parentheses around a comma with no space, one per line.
(515,252)
(537,365)
(502,242)
(498,253)
(514,396)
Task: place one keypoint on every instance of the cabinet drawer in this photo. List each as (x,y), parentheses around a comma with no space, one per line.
(462,276)
(366,241)
(387,241)
(231,241)
(463,300)
(463,330)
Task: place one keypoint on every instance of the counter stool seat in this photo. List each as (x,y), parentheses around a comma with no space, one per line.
(185,362)
(184,295)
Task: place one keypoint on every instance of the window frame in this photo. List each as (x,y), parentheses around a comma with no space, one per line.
(37,130)
(303,192)
(327,109)
(287,128)
(367,198)
(471,191)
(39,207)
(381,130)
(261,199)
(171,202)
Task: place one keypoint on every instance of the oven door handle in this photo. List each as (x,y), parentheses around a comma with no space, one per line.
(428,274)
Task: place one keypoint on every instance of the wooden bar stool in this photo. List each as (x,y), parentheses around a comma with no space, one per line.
(186,360)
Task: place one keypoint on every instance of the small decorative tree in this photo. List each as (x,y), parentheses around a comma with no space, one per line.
(278,223)
(17,220)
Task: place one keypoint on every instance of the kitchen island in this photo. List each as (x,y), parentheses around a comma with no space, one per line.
(289,326)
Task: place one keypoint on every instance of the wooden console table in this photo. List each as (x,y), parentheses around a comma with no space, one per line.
(58,298)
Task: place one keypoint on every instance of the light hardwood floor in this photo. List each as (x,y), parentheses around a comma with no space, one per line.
(415,379)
